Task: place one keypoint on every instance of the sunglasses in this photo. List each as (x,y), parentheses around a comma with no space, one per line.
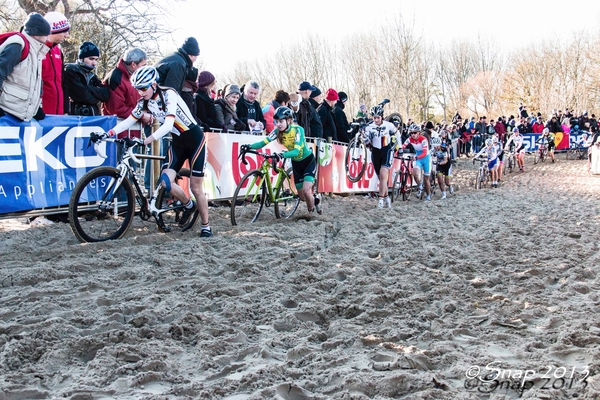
(145,89)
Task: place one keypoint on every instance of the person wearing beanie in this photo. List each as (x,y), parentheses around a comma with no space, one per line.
(206,113)
(325,111)
(176,68)
(53,93)
(315,97)
(227,111)
(342,126)
(306,114)
(21,70)
(86,91)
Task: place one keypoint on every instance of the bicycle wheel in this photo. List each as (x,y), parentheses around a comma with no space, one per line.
(98,211)
(571,154)
(406,186)
(396,186)
(536,157)
(248,198)
(356,159)
(286,198)
(543,155)
(479,179)
(171,208)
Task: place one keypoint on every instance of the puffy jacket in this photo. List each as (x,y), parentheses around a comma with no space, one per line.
(21,87)
(173,70)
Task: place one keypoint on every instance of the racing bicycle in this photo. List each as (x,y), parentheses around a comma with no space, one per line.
(577,152)
(541,153)
(104,201)
(510,162)
(256,190)
(402,182)
(483,173)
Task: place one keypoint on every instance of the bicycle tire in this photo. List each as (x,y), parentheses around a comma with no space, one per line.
(396,186)
(170,219)
(355,160)
(536,157)
(571,154)
(287,207)
(246,207)
(543,156)
(478,180)
(94,220)
(406,186)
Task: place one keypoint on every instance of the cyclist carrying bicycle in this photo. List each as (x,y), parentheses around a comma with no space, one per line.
(547,138)
(189,142)
(420,145)
(381,135)
(304,163)
(444,164)
(491,152)
(519,144)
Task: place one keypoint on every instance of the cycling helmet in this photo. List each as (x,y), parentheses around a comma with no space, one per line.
(414,128)
(436,141)
(377,111)
(546,130)
(283,113)
(515,130)
(584,135)
(495,139)
(144,77)
(488,142)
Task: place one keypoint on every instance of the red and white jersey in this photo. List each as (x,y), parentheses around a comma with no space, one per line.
(420,144)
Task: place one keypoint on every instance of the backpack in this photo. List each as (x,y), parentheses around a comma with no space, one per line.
(25,51)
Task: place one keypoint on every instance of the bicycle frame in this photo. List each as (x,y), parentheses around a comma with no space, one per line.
(265,168)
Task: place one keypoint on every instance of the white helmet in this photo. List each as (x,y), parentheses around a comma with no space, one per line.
(494,139)
(144,77)
(546,130)
(488,142)
(436,141)
(515,130)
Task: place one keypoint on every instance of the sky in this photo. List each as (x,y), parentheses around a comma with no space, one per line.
(246,30)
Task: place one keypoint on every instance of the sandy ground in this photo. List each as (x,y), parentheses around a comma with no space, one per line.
(358,303)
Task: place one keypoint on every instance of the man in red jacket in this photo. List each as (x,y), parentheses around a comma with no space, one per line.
(53,95)
(123,96)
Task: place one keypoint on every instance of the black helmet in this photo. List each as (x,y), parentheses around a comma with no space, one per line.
(283,113)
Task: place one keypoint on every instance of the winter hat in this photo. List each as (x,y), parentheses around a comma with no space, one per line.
(205,79)
(233,89)
(315,92)
(331,95)
(343,96)
(190,46)
(58,22)
(88,49)
(36,25)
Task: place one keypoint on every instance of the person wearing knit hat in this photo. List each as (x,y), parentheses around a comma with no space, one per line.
(206,113)
(85,89)
(53,98)
(227,111)
(20,88)
(325,111)
(315,98)
(342,125)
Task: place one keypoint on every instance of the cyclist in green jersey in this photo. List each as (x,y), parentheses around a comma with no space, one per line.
(304,165)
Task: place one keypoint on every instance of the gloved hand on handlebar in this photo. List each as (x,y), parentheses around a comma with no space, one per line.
(244,148)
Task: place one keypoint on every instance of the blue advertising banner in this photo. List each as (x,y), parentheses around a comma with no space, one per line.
(41,161)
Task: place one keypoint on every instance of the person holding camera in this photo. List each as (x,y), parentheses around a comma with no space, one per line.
(84,88)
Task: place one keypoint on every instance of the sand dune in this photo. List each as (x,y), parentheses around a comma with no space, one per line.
(357,303)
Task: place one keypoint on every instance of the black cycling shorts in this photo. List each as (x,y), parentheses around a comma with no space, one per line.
(304,170)
(188,146)
(383,157)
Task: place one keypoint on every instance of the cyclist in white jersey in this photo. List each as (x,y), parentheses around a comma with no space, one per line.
(189,142)
(518,141)
(381,135)
(491,150)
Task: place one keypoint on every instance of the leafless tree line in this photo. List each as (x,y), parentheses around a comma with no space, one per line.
(429,82)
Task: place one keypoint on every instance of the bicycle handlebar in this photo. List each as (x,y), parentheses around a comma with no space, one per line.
(98,138)
(275,158)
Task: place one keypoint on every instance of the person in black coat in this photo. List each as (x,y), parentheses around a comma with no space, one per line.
(325,111)
(206,113)
(177,68)
(306,114)
(249,110)
(341,121)
(84,88)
